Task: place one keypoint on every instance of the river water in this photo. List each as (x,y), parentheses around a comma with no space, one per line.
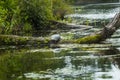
(68,61)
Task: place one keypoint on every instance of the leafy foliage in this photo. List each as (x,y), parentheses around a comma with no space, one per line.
(26,15)
(10,14)
(37,12)
(60,9)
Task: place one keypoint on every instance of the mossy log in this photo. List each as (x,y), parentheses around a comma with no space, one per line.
(22,40)
(102,35)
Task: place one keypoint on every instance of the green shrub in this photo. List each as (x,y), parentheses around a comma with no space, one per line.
(37,12)
(9,10)
(60,9)
(18,16)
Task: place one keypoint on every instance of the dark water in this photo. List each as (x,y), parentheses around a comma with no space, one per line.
(70,61)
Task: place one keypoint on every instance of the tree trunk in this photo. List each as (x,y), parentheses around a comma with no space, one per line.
(109,29)
(105,33)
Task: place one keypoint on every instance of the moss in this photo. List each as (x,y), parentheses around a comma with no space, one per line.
(46,41)
(89,39)
(12,40)
(22,40)
(19,40)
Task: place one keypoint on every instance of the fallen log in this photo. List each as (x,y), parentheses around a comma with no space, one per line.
(22,40)
(102,35)
(67,26)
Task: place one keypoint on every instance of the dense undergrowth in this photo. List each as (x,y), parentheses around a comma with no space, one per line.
(26,16)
